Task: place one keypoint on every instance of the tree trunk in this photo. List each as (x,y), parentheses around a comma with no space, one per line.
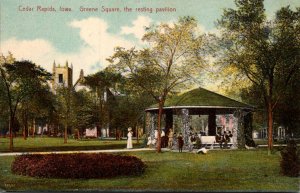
(26,130)
(100,113)
(33,127)
(270,128)
(66,134)
(137,134)
(24,133)
(160,110)
(11,140)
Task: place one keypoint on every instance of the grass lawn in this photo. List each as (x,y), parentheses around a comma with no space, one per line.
(232,170)
(57,144)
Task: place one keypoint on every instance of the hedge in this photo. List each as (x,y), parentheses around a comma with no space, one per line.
(290,161)
(80,165)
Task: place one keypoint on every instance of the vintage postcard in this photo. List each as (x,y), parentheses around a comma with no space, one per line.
(195,95)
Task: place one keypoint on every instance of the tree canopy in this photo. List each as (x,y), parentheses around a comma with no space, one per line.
(21,81)
(265,52)
(174,57)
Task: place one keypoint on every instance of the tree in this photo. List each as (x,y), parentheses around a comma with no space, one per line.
(84,110)
(65,103)
(3,102)
(21,79)
(101,83)
(175,55)
(4,113)
(128,108)
(37,106)
(287,112)
(266,52)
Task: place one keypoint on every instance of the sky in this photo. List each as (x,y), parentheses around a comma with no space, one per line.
(31,30)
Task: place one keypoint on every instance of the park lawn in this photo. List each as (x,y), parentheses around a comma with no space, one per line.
(57,144)
(219,170)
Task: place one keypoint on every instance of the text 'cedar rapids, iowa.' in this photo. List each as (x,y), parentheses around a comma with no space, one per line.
(104,9)
(40,8)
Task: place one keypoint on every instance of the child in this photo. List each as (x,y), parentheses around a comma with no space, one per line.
(180,142)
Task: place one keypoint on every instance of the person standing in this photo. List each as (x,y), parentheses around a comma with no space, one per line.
(219,139)
(225,139)
(163,135)
(230,136)
(190,142)
(180,142)
(170,138)
(129,138)
(155,136)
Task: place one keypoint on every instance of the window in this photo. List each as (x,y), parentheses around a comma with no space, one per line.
(60,78)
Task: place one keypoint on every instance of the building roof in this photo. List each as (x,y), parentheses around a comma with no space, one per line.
(201,98)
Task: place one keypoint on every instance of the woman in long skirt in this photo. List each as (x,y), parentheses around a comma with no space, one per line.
(129,138)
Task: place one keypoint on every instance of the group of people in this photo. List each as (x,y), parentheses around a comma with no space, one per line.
(194,141)
(173,136)
(173,139)
(166,140)
(223,139)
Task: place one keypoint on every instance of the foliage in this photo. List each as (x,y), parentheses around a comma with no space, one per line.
(287,112)
(84,110)
(64,109)
(79,165)
(174,57)
(21,80)
(4,108)
(105,84)
(128,108)
(266,53)
(75,109)
(290,160)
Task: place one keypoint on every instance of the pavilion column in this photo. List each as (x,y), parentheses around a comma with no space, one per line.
(212,123)
(235,131)
(153,123)
(240,132)
(185,126)
(148,124)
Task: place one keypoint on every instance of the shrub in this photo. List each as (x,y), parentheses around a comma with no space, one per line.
(290,164)
(78,165)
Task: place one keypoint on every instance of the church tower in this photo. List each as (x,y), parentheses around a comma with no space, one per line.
(62,75)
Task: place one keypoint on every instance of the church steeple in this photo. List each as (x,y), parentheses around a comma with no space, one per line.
(81,74)
(54,65)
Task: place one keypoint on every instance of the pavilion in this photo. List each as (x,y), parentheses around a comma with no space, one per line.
(202,111)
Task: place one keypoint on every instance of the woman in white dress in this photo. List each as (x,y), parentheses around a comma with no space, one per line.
(129,138)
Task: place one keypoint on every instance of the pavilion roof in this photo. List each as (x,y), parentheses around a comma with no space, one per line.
(201,98)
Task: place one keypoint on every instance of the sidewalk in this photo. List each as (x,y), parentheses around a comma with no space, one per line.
(102,151)
(84,151)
